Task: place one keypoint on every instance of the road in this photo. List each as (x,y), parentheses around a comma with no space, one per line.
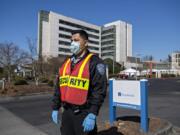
(164,102)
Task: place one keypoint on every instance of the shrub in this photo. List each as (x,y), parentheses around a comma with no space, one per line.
(51,83)
(113,75)
(168,75)
(43,80)
(164,75)
(172,75)
(29,78)
(153,76)
(20,82)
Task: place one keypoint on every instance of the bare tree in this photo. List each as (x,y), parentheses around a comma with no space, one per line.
(11,55)
(33,57)
(169,59)
(33,52)
(55,63)
(148,58)
(51,65)
(32,48)
(43,66)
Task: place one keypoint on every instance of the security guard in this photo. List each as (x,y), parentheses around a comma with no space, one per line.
(80,89)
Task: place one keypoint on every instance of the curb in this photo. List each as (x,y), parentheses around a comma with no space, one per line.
(165,131)
(175,130)
(26,96)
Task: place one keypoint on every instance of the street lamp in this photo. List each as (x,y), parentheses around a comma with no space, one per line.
(114,58)
(136,63)
(113,63)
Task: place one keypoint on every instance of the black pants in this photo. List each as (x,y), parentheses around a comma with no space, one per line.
(72,123)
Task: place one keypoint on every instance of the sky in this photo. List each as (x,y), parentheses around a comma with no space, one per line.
(156,23)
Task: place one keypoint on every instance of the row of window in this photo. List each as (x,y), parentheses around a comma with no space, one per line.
(64,36)
(78,26)
(108,48)
(93,48)
(107,36)
(177,55)
(68,44)
(93,42)
(108,31)
(177,60)
(64,43)
(90,41)
(64,50)
(108,42)
(68,50)
(69,37)
(104,42)
(108,54)
(70,31)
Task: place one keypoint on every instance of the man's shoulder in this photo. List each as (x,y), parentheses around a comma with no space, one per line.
(98,64)
(96,59)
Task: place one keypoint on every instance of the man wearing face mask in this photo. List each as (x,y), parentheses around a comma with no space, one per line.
(80,89)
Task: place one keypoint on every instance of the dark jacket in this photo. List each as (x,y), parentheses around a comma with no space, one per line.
(97,87)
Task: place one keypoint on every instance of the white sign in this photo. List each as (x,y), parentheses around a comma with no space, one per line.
(126,92)
(129,94)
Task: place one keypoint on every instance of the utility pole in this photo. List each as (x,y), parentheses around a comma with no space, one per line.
(113,59)
(136,68)
(113,65)
(137,63)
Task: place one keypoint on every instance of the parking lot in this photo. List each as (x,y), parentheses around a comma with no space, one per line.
(164,102)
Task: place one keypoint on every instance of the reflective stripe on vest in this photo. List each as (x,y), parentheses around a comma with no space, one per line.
(74,86)
(75,82)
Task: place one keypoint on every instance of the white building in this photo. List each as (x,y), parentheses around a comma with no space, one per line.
(175,56)
(122,40)
(54,34)
(113,40)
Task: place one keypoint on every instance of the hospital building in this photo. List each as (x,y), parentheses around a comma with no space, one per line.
(112,40)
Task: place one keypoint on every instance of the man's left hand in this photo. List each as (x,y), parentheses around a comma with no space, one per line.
(89,122)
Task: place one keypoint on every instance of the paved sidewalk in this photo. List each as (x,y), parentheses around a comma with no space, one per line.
(13,125)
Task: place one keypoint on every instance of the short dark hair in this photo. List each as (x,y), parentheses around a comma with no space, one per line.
(82,33)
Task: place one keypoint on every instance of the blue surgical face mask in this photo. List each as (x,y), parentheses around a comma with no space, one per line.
(75,47)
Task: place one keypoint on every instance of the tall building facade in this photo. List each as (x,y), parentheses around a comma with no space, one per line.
(121,35)
(175,57)
(113,40)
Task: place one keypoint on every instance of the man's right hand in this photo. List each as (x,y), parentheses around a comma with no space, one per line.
(54,116)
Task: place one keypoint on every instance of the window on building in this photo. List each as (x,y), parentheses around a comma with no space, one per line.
(64,43)
(93,48)
(107,36)
(64,50)
(77,26)
(108,54)
(108,31)
(70,31)
(108,42)
(64,36)
(108,48)
(94,42)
